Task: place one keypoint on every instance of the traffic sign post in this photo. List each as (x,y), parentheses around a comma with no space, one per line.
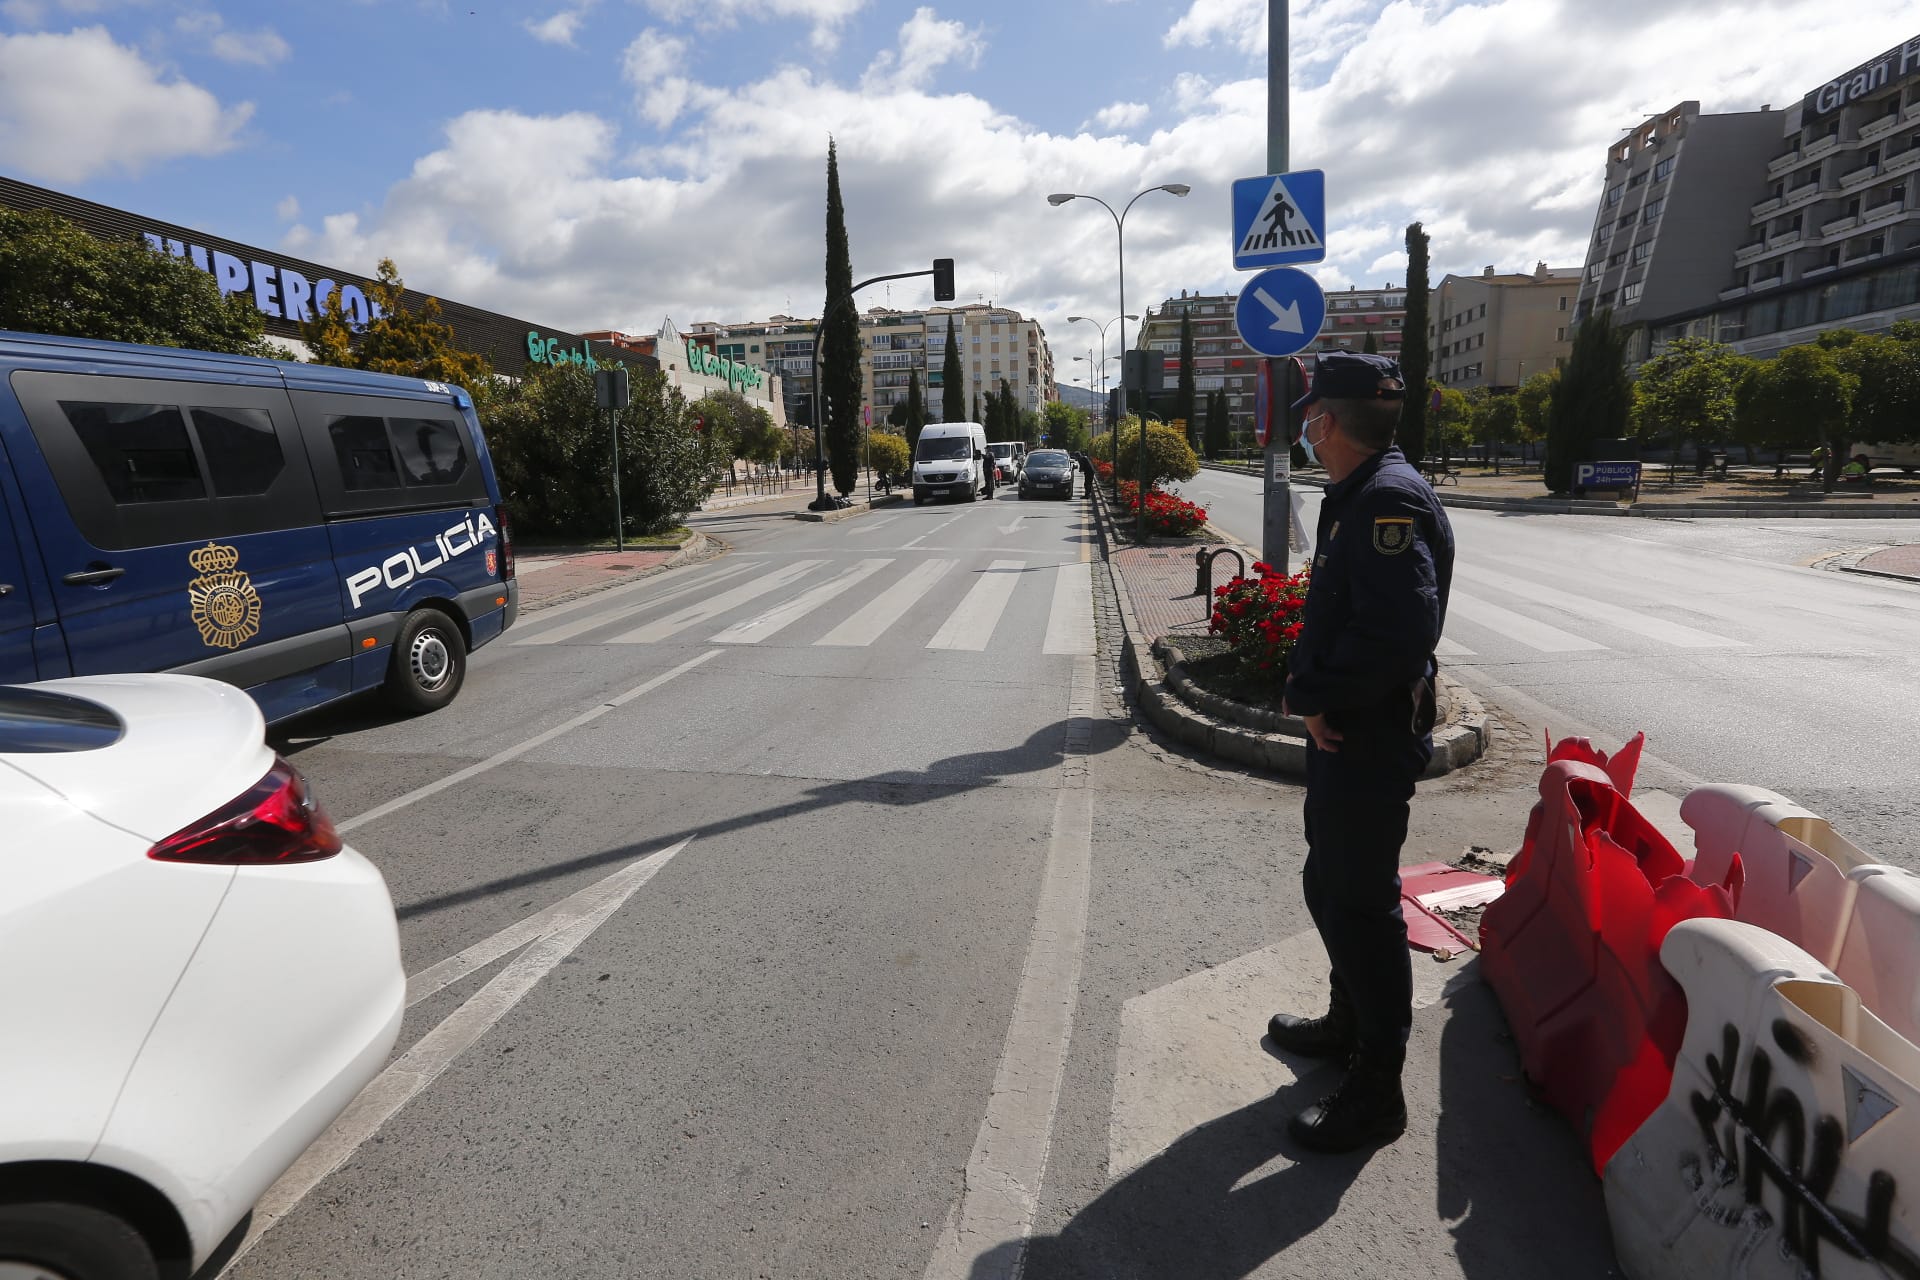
(1280,219)
(1280,312)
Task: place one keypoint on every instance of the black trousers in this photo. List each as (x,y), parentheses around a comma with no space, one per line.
(1356,818)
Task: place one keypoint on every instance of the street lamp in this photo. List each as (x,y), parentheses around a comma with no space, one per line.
(1103,352)
(1120,238)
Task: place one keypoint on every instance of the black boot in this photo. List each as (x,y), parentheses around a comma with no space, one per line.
(1366,1108)
(1328,1036)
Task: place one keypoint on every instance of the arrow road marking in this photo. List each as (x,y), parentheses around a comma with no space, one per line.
(1286,319)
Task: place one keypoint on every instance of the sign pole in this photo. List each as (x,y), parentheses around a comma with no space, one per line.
(1276,501)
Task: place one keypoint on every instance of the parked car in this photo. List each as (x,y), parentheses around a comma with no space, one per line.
(302,532)
(201,976)
(1048,473)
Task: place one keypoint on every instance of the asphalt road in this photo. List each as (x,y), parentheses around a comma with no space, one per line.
(1740,661)
(816,911)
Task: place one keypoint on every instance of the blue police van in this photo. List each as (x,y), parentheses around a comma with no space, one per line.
(303,532)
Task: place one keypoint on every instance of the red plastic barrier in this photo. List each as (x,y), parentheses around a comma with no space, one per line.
(1572,947)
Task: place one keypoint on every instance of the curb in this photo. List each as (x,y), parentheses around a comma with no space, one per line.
(1248,735)
(859,508)
(1655,511)
(694,548)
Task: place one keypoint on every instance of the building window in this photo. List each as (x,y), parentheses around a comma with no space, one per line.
(1560,334)
(1604,234)
(1637,180)
(1664,170)
(1631,294)
(1652,211)
(1616,259)
(1594,271)
(1642,251)
(1483,311)
(1614,193)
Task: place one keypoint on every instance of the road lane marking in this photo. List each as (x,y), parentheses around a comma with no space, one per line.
(540,617)
(594,621)
(1517,626)
(872,525)
(1452,649)
(970,626)
(1070,621)
(1009,1160)
(1012,525)
(937,528)
(434,1052)
(1673,633)
(781,616)
(887,608)
(706,610)
(514,752)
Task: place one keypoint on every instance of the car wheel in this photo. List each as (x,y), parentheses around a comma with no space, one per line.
(919,501)
(61,1241)
(429,662)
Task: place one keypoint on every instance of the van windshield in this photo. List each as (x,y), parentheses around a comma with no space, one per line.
(943,449)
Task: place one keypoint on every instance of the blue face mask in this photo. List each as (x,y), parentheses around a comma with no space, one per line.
(1306,439)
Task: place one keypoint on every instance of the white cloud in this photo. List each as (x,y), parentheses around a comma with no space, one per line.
(1121,115)
(76,105)
(288,209)
(562,26)
(926,45)
(825,16)
(27,13)
(1488,120)
(256,48)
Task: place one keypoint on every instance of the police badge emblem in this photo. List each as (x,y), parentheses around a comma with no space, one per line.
(225,607)
(493,564)
(1392,534)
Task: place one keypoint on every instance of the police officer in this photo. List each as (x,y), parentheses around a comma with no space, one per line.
(1362,677)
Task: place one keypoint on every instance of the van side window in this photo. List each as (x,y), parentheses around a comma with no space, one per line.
(366,458)
(141,450)
(430,450)
(241,448)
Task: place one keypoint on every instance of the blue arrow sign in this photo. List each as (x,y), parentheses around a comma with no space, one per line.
(1280,312)
(1280,218)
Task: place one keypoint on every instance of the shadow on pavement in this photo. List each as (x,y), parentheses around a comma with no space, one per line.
(1045,748)
(1184,1214)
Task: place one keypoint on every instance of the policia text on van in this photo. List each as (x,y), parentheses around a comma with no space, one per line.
(300,531)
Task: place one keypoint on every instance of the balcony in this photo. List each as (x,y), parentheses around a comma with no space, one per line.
(1904,162)
(1738,291)
(1768,283)
(1821,147)
(1767,208)
(1848,181)
(1846,223)
(1801,196)
(1883,214)
(1780,164)
(1748,254)
(1880,128)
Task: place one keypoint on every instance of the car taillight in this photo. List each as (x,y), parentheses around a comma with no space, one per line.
(275,821)
(506,545)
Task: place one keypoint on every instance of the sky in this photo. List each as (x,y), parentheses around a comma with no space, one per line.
(592,164)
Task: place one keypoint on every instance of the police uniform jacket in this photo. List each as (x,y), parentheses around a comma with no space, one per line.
(1377,598)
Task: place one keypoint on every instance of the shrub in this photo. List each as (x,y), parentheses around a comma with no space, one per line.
(1169,456)
(1166,514)
(1260,618)
(887,453)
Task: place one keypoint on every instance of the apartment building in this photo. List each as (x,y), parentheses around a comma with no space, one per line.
(1826,235)
(1496,330)
(1221,362)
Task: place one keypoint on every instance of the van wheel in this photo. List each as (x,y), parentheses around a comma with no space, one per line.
(429,662)
(73,1242)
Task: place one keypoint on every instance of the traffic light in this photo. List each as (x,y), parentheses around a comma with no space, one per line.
(943,279)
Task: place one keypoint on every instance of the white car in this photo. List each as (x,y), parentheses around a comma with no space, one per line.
(199,976)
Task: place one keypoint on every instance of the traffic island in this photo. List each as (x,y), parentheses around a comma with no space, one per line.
(857,507)
(1164,619)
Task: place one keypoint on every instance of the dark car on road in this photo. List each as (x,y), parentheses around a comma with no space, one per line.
(1049,472)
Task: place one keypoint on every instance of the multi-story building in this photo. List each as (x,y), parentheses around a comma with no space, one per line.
(1826,233)
(1494,330)
(996,344)
(1221,362)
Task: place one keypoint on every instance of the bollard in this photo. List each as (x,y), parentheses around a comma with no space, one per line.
(1203,569)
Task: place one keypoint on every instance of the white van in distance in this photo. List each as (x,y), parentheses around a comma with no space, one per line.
(952,460)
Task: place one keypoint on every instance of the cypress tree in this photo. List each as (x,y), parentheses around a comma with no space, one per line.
(916,412)
(953,394)
(1009,413)
(1415,352)
(1592,401)
(976,408)
(840,347)
(1372,345)
(1184,406)
(1217,439)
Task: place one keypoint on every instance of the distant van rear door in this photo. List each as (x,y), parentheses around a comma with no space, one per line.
(178,523)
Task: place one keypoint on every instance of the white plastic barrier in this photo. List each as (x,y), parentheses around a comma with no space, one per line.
(1789,1144)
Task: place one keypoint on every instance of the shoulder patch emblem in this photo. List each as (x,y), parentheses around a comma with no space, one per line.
(1392,534)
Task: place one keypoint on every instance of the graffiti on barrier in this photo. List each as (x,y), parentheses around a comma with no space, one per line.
(1763,1135)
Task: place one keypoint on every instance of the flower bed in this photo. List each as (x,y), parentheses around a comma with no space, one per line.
(1260,618)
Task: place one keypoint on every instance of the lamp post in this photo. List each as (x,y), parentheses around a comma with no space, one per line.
(1120,238)
(1103,352)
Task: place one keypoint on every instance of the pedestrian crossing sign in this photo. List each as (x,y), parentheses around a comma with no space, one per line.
(1280,219)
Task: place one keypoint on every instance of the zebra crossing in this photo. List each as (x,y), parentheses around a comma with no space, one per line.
(852,604)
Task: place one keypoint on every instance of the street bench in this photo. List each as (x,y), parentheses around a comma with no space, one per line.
(1439,473)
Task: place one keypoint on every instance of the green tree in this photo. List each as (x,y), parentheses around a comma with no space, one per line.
(760,439)
(1219,436)
(1592,401)
(1495,420)
(1687,391)
(1060,422)
(1372,345)
(889,454)
(1186,405)
(1451,423)
(1886,408)
(413,344)
(1799,398)
(57,278)
(976,409)
(728,419)
(553,452)
(1415,354)
(953,391)
(1535,400)
(916,416)
(840,346)
(1169,456)
(797,447)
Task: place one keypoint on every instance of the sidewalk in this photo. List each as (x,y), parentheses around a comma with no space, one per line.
(1893,562)
(548,577)
(1159,584)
